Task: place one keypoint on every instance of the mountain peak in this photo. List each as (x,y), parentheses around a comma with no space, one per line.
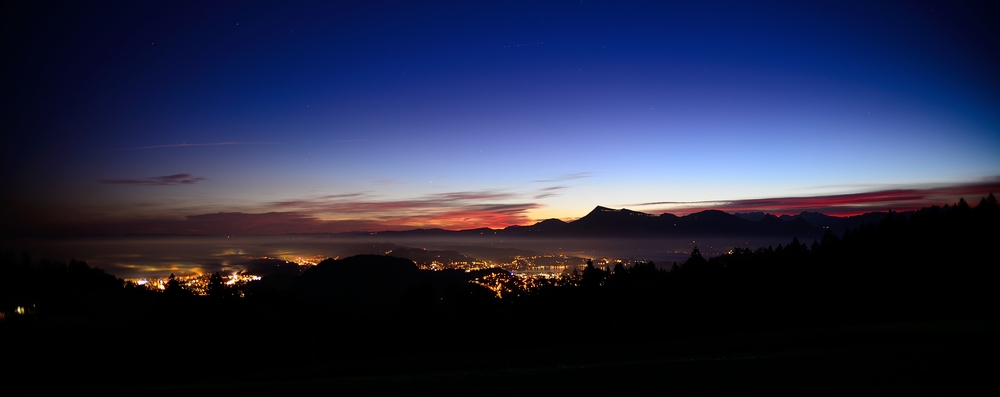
(551,221)
(625,211)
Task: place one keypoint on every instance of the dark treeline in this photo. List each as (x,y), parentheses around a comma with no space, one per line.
(933,264)
(939,263)
(47,288)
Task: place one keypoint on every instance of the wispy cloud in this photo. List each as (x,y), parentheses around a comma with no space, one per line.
(839,204)
(282,222)
(469,217)
(549,191)
(167,180)
(200,144)
(360,203)
(341,196)
(358,211)
(465,196)
(231,223)
(567,177)
(449,210)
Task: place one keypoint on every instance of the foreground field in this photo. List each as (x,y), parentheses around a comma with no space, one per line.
(894,359)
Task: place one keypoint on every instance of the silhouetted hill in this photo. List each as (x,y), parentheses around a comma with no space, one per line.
(548,226)
(716,222)
(371,284)
(370,281)
(607,222)
(801,226)
(751,216)
(856,221)
(494,254)
(814,218)
(268,267)
(424,256)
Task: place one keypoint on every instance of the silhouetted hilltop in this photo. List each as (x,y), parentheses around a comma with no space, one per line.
(751,216)
(424,256)
(363,280)
(548,226)
(814,218)
(268,267)
(607,222)
(551,224)
(716,222)
(494,254)
(856,221)
(379,284)
(56,290)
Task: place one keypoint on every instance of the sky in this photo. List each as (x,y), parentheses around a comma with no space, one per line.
(302,117)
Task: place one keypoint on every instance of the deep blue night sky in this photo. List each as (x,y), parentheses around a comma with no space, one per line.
(332,116)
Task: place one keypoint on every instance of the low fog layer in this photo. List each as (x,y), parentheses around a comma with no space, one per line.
(158,256)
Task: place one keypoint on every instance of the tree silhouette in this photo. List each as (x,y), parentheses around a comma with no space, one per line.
(592,276)
(962,205)
(174,287)
(216,288)
(987,202)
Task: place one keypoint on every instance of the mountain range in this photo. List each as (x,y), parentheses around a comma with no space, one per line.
(608,222)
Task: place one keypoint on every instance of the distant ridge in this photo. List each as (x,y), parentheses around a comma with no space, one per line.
(608,222)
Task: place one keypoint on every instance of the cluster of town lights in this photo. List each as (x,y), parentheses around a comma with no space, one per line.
(522,272)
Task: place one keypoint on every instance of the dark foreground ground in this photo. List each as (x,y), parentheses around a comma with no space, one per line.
(907,359)
(884,370)
(928,358)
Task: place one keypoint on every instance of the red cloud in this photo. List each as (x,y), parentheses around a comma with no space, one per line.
(844,204)
(468,210)
(239,223)
(471,217)
(454,210)
(351,203)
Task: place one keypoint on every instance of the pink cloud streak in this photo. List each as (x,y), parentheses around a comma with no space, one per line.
(839,204)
